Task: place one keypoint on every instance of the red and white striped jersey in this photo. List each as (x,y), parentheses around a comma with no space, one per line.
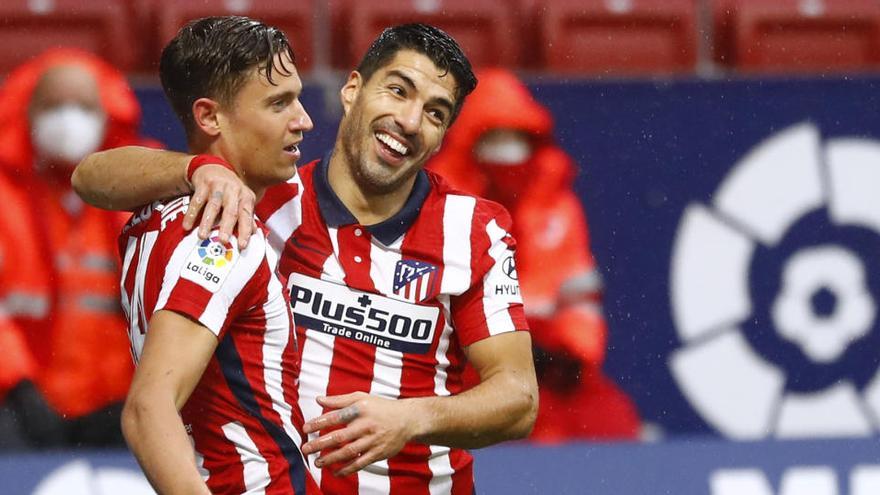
(388,308)
(242,417)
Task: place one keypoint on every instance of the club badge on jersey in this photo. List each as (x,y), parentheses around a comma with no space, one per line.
(210,262)
(414,280)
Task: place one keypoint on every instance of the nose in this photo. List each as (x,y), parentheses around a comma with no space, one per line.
(300,122)
(410,117)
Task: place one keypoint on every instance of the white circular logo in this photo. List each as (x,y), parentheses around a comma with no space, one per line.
(773,289)
(79,477)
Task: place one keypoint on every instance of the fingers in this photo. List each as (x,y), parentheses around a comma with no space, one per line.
(362,461)
(345,453)
(332,440)
(339,401)
(219,194)
(209,215)
(196,202)
(229,214)
(339,417)
(245,218)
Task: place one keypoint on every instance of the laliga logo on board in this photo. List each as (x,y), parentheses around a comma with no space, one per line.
(774,289)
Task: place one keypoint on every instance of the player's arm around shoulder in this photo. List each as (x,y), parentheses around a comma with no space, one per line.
(175,354)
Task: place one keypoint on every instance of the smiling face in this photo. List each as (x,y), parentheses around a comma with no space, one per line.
(394,121)
(261,128)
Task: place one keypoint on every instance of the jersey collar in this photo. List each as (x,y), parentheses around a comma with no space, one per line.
(336,214)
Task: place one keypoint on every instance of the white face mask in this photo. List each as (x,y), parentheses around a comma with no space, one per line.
(508,151)
(67,133)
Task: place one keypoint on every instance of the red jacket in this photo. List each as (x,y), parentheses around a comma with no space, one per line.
(59,268)
(560,284)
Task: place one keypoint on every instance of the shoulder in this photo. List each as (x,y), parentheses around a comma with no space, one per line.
(479,210)
(166,217)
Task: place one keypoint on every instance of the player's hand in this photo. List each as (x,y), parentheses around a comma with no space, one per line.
(374,429)
(218,190)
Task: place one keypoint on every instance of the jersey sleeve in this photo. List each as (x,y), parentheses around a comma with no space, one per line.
(492,305)
(212,282)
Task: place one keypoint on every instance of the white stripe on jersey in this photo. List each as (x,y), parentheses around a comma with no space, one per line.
(497,317)
(123,294)
(387,365)
(276,340)
(317,354)
(440,373)
(317,351)
(256,469)
(136,313)
(286,219)
(458,213)
(441,467)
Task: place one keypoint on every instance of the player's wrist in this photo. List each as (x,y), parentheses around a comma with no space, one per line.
(200,161)
(421,417)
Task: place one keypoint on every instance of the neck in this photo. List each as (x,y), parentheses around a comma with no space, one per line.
(368,207)
(214,148)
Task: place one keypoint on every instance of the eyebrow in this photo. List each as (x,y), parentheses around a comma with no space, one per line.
(439,100)
(286,94)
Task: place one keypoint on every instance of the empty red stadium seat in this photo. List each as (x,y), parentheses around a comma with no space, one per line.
(803,35)
(488,30)
(28,27)
(618,36)
(295,18)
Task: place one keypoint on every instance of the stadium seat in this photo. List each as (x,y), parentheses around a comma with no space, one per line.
(28,27)
(294,18)
(487,30)
(618,36)
(798,35)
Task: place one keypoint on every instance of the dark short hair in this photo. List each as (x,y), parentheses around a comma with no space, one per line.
(212,57)
(430,41)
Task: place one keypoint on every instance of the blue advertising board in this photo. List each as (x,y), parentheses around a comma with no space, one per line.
(736,224)
(714,467)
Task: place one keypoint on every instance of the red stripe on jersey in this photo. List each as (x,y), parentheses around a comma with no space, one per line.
(309,247)
(274,198)
(189,298)
(463,464)
(221,459)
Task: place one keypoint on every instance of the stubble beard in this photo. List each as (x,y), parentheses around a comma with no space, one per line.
(373,178)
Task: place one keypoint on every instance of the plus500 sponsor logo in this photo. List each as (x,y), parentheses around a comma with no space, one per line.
(370,318)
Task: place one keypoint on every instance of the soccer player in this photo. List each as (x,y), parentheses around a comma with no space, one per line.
(396,280)
(209,324)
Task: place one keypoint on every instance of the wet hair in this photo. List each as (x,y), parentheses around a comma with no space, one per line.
(213,57)
(430,41)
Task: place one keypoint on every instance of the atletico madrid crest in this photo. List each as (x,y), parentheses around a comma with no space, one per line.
(414,280)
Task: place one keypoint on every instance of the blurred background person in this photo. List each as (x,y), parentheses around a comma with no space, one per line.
(502,148)
(69,366)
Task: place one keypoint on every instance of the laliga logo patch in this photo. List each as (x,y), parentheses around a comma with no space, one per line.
(215,253)
(210,263)
(774,289)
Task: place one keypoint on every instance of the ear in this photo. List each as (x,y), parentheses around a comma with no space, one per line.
(350,91)
(206,114)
